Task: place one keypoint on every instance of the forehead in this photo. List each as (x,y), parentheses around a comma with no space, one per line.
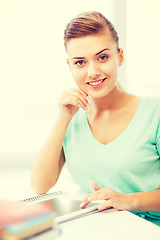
(90,44)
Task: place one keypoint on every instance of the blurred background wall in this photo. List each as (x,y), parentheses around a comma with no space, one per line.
(34,73)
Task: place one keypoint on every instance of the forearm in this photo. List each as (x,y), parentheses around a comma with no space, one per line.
(145,201)
(47,166)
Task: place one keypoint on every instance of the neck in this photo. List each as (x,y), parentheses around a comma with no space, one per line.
(111,101)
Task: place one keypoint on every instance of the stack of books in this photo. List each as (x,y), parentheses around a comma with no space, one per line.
(19,221)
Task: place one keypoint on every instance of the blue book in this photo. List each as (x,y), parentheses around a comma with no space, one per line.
(28,227)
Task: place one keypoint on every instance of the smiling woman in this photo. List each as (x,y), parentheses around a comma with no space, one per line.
(96,68)
(93,25)
(99,66)
(111,154)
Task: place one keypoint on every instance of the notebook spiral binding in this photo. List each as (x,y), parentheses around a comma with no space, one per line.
(41,197)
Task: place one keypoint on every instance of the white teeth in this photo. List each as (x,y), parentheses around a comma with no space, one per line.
(96,83)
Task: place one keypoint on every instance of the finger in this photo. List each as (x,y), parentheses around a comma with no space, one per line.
(84,94)
(70,100)
(105,205)
(78,97)
(85,200)
(95,186)
(80,93)
(73,100)
(84,203)
(98,195)
(76,101)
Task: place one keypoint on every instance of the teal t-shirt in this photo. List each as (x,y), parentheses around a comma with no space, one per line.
(128,164)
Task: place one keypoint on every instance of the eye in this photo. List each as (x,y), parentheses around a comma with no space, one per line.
(79,63)
(103,58)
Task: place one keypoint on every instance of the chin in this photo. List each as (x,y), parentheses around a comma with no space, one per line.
(103,92)
(100,94)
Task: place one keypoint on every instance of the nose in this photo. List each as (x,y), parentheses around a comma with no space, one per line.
(93,71)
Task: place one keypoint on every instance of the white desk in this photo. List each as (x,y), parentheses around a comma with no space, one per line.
(111,225)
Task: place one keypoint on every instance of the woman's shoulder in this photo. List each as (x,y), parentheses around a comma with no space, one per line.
(151,98)
(151,101)
(151,104)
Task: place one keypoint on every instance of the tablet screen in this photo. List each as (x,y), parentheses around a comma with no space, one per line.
(67,208)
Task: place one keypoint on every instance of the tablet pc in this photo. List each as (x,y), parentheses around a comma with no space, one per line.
(67,208)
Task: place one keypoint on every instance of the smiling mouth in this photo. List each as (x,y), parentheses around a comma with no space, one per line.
(94,83)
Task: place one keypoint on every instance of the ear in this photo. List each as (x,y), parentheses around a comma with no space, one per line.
(68,63)
(121,56)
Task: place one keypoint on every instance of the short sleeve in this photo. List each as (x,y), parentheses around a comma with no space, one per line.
(158,139)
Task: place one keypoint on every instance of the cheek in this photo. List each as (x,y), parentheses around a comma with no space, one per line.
(111,68)
(78,75)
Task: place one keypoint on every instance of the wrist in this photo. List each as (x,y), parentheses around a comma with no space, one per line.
(133,201)
(145,201)
(63,120)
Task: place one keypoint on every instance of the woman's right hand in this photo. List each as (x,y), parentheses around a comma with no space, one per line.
(71,101)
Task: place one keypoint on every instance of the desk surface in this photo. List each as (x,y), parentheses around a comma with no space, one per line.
(110,225)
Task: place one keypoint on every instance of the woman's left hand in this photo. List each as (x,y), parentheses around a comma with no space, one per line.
(119,201)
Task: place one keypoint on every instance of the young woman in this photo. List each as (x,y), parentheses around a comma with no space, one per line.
(110,139)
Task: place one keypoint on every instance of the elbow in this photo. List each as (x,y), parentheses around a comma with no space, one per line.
(40,188)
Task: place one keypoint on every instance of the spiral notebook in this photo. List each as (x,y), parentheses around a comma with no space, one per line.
(41,198)
(65,207)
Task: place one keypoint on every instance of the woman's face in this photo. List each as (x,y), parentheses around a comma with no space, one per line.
(94,62)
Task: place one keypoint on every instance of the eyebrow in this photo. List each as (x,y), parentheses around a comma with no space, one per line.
(95,54)
(78,58)
(102,51)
